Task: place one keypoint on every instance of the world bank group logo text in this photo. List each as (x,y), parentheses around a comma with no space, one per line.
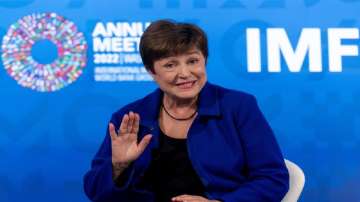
(44,52)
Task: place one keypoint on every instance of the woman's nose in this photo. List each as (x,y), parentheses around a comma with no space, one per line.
(184,71)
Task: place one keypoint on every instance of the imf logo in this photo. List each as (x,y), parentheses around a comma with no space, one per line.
(309,43)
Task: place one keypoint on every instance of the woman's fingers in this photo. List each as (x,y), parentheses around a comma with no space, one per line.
(135,128)
(112,131)
(189,198)
(131,122)
(124,124)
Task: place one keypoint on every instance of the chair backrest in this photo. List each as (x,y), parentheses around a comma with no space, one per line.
(296,184)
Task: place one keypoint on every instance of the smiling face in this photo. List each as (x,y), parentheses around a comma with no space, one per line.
(181,77)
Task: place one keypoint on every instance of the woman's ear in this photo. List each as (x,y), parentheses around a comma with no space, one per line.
(151,73)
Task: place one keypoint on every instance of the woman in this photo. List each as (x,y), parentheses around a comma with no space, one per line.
(189,140)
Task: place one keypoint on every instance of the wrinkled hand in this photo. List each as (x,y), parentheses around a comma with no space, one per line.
(124,146)
(191,198)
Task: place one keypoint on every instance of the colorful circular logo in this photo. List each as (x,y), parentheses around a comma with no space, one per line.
(44,52)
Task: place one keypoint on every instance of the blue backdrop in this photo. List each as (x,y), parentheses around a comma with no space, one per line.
(49,131)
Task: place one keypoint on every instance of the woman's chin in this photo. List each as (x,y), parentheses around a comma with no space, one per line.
(187,94)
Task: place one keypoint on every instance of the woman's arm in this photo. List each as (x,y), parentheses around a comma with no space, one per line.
(111,170)
(100,182)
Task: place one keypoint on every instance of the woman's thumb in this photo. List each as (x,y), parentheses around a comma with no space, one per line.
(144,142)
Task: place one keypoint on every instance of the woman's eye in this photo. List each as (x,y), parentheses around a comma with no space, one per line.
(193,61)
(169,65)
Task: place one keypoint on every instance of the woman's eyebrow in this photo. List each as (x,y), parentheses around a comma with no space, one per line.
(193,52)
(170,60)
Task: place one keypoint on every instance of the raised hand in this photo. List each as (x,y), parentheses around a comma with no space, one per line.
(124,145)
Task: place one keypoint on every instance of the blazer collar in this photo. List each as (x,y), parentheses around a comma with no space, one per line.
(209,101)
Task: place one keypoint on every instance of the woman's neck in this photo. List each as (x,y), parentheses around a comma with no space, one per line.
(180,105)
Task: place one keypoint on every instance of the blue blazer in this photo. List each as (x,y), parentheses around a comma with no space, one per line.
(230,144)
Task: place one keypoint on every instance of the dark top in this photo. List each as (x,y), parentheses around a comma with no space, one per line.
(170,172)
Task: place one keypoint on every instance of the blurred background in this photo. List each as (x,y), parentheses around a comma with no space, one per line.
(66,65)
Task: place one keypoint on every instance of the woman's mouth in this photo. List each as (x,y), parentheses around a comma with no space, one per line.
(186,85)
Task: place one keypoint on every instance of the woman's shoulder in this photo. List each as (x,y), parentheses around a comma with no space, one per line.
(232,101)
(232,96)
